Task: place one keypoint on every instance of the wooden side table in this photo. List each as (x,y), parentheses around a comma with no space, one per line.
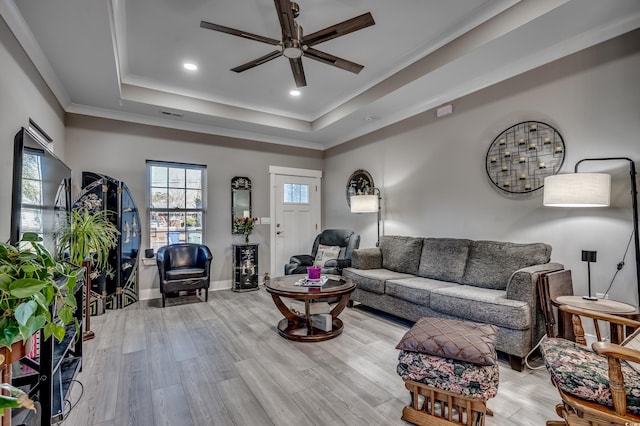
(565,329)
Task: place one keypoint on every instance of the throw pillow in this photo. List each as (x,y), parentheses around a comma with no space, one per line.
(325,253)
(460,340)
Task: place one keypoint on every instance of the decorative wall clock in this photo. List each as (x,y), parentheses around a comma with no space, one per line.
(521,157)
(360,183)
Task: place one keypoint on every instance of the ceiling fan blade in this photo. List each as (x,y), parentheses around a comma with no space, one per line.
(338,30)
(298,72)
(335,61)
(261,60)
(285,16)
(243,34)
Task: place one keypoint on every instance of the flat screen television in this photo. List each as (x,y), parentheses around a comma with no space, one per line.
(41,198)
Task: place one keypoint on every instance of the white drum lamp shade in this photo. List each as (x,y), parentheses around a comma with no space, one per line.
(577,190)
(364,203)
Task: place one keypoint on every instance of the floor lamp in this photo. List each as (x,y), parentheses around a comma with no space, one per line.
(368,203)
(591,190)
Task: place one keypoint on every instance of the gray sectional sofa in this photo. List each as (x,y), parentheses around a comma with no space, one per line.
(482,281)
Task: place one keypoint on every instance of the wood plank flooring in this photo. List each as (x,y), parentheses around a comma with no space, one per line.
(223,363)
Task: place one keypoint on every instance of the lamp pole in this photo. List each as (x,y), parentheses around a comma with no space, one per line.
(379,212)
(634,200)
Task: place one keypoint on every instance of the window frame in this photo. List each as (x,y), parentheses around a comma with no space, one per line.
(151,210)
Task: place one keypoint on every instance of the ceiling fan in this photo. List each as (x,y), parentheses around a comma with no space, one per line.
(294,45)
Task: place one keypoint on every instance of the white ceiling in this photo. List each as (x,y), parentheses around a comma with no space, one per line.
(123,59)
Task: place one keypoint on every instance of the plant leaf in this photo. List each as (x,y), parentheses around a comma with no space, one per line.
(26,287)
(59,332)
(8,402)
(70,301)
(65,314)
(25,311)
(33,325)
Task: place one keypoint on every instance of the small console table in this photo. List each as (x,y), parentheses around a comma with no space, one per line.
(245,267)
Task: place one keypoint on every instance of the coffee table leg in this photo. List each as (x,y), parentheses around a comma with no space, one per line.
(284,310)
(344,299)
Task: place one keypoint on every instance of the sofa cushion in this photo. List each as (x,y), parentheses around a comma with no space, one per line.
(372,280)
(444,258)
(401,254)
(461,340)
(415,290)
(481,305)
(491,263)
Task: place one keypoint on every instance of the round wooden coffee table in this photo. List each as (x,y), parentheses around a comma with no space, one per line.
(298,327)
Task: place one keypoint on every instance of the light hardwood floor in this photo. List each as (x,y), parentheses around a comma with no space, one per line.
(223,363)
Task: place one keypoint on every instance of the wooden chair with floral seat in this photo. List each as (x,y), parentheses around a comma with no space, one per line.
(598,385)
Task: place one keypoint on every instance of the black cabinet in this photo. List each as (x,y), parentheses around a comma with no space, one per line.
(245,267)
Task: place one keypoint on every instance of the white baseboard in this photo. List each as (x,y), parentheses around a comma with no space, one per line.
(154,293)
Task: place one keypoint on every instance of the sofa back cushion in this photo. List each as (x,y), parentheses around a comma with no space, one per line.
(444,258)
(491,263)
(401,254)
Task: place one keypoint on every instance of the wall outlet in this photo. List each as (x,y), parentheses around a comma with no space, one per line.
(602,295)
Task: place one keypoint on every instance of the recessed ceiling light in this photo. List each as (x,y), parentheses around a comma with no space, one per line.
(189,66)
(294,93)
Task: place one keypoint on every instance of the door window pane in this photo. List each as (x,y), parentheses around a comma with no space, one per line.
(295,193)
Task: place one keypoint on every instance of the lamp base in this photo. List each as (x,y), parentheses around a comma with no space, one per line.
(590,298)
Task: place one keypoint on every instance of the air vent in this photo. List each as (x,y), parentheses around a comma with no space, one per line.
(171,114)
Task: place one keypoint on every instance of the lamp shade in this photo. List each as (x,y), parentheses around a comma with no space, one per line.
(577,190)
(364,203)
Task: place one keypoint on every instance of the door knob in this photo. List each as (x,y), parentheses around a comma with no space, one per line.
(279,232)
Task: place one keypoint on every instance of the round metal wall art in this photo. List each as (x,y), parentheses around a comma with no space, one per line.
(360,183)
(521,157)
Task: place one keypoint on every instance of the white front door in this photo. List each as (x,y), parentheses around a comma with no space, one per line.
(295,214)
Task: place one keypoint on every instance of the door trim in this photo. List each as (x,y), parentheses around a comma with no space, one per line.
(288,171)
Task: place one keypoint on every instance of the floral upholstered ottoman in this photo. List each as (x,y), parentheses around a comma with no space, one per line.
(450,369)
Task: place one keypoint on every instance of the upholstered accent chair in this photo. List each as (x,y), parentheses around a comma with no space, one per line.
(598,385)
(184,267)
(332,250)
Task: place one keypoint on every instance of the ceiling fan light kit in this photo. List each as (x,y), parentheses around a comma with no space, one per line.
(294,45)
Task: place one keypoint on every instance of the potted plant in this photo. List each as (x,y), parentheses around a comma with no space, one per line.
(88,235)
(28,288)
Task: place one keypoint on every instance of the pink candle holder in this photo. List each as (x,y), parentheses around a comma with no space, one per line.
(313,272)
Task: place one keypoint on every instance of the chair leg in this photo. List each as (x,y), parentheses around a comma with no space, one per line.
(163,299)
(206,294)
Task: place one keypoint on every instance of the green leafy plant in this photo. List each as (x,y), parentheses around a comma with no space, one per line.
(88,235)
(28,288)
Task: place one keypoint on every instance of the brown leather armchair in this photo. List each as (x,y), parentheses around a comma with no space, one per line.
(184,267)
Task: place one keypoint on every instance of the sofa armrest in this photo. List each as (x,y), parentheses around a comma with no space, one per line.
(367,258)
(523,283)
(523,286)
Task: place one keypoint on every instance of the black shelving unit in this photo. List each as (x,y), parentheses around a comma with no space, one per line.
(49,377)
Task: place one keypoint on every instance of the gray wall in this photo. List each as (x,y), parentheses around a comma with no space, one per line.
(433,180)
(119,149)
(23,95)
